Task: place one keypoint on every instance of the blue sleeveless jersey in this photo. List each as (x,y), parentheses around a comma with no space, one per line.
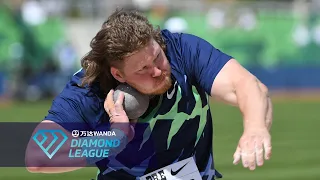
(180,125)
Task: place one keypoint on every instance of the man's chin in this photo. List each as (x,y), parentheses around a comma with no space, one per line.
(155,91)
(165,87)
(158,92)
(143,90)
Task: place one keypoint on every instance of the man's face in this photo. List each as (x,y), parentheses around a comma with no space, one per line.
(147,70)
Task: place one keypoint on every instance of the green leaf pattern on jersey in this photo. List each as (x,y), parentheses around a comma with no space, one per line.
(179,118)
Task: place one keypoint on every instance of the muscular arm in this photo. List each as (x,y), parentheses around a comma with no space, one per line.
(224,78)
(38,162)
(236,86)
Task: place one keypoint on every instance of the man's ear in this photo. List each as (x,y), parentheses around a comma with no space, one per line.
(116,73)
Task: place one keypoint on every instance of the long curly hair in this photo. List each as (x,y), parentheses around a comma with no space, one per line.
(124,33)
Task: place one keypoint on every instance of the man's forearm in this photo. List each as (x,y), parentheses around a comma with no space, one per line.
(269,115)
(38,162)
(253,100)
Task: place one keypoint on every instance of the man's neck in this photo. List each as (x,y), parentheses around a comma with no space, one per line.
(154,100)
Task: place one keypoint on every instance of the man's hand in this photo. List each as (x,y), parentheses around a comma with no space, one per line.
(115,110)
(269,115)
(118,117)
(254,146)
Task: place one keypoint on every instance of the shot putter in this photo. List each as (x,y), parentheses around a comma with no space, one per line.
(135,103)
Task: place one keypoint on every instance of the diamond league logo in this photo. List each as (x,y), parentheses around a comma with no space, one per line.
(54,133)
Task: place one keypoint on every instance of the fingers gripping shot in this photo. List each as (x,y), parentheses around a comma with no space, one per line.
(117,115)
(155,87)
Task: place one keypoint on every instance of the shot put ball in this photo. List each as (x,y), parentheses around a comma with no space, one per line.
(135,103)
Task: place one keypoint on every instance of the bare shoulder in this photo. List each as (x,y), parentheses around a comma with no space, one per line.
(230,77)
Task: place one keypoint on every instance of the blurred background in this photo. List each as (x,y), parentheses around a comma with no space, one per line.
(42,41)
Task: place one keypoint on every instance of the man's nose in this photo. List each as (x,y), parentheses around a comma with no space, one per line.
(156,72)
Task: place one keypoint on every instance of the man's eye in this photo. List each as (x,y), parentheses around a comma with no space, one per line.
(145,67)
(158,57)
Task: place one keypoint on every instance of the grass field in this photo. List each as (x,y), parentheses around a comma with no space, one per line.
(295,137)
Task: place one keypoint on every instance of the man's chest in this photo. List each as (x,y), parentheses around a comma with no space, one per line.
(178,116)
